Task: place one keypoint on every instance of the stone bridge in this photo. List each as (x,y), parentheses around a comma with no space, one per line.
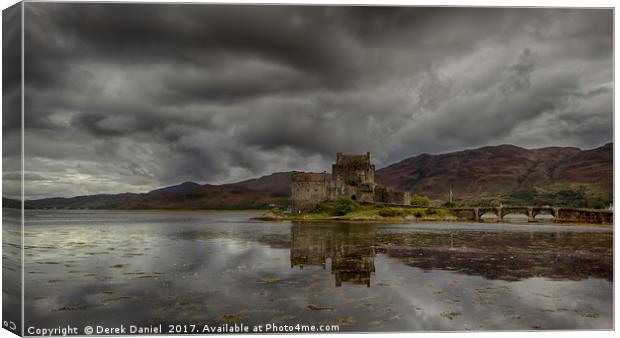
(574,215)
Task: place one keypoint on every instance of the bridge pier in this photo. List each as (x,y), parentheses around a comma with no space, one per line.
(500,214)
(530,215)
(476,214)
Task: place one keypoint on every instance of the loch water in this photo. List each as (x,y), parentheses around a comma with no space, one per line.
(148,268)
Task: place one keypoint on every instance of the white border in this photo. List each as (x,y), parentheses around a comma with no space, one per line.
(471,3)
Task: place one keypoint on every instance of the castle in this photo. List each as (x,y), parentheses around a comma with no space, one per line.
(352,176)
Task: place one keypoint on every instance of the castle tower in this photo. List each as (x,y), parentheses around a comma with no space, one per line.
(353,176)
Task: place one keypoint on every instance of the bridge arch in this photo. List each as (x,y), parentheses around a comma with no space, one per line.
(505,211)
(488,211)
(536,211)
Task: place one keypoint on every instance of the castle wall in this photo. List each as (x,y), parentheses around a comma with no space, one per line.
(308,190)
(387,195)
(363,193)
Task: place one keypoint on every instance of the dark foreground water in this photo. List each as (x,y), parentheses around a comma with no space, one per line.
(146,268)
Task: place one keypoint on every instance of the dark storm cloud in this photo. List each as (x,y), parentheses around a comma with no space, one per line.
(11,102)
(205,36)
(129,97)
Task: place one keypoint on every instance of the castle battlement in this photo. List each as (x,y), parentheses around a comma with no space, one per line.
(354,160)
(300,176)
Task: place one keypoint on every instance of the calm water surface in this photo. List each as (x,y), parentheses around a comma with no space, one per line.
(110,268)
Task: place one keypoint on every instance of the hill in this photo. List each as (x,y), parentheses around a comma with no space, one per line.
(206,197)
(176,188)
(509,174)
(202,197)
(277,184)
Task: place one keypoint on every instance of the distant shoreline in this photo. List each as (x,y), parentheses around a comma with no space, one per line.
(153,210)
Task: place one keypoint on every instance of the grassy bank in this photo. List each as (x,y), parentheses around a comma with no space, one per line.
(344,209)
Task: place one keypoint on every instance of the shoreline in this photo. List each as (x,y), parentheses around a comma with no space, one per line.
(405,220)
(157,210)
(334,219)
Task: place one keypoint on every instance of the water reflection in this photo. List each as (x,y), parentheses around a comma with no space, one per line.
(349,248)
(508,254)
(190,267)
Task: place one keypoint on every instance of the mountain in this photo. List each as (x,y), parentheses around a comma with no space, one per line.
(176,188)
(589,167)
(489,175)
(508,174)
(277,184)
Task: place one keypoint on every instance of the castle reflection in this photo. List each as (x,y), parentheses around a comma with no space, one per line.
(350,250)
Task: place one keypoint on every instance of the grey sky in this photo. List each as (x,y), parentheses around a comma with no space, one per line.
(130,97)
